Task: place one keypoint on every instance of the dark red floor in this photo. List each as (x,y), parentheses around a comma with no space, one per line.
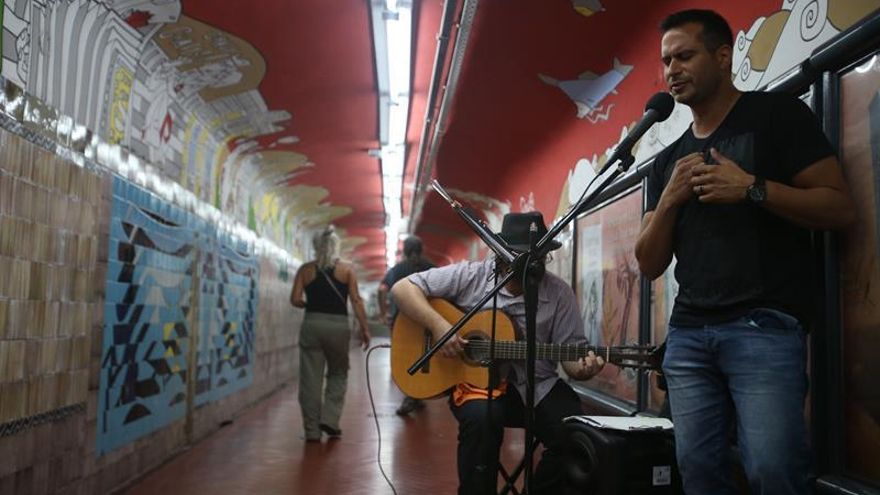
(263,451)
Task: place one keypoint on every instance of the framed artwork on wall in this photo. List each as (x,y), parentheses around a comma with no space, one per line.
(859,260)
(561,260)
(607,285)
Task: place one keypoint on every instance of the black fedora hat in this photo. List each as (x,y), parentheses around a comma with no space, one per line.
(515,230)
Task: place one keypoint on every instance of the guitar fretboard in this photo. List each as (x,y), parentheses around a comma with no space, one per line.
(556,352)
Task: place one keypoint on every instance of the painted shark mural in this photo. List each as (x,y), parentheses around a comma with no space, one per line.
(587,8)
(772,46)
(589,89)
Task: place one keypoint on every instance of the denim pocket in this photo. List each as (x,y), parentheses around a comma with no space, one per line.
(772,319)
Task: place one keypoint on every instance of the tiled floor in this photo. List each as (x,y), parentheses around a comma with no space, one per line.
(263,451)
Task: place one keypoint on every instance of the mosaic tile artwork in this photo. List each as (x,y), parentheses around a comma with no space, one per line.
(227,318)
(157,253)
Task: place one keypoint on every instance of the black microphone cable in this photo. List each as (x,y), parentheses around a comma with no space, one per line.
(375,416)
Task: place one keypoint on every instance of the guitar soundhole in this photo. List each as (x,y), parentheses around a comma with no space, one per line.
(477,350)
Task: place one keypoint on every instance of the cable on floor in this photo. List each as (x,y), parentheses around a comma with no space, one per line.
(375,416)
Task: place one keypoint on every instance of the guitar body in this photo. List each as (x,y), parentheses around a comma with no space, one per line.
(409,341)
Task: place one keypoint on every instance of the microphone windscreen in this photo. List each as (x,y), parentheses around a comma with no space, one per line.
(662,103)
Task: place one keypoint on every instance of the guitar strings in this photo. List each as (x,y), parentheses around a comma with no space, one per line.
(636,356)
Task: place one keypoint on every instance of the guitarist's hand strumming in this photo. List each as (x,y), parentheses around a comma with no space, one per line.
(453,348)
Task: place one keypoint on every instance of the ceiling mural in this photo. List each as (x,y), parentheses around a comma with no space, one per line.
(773,45)
(158,78)
(589,90)
(269,111)
(587,7)
(574,83)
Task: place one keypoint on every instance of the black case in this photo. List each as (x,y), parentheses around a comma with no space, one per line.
(611,462)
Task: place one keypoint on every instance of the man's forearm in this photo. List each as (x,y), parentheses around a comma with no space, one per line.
(816,208)
(654,246)
(361,315)
(412,302)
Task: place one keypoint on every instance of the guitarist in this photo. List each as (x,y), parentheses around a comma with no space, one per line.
(558,322)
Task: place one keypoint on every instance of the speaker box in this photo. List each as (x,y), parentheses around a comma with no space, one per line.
(612,462)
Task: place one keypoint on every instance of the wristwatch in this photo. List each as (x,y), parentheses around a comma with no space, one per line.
(757,192)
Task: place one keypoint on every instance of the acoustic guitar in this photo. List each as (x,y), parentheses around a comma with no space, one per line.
(409,341)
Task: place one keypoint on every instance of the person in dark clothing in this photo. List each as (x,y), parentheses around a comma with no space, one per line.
(412,262)
(734,199)
(328,283)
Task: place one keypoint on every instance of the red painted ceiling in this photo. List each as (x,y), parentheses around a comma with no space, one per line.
(509,135)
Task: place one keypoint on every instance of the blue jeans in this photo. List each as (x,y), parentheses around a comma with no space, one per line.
(751,370)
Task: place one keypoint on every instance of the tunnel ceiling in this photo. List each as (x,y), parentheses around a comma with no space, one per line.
(268,110)
(320,70)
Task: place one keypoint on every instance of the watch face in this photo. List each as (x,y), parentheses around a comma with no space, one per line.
(757,193)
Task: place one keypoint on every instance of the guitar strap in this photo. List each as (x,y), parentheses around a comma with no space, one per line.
(332,285)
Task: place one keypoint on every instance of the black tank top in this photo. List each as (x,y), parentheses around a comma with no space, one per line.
(320,296)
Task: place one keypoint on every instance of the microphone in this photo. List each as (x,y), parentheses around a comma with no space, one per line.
(658,109)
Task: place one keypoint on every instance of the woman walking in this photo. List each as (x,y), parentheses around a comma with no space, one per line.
(328,284)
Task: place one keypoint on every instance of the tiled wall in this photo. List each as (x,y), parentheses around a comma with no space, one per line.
(88,288)
(49,306)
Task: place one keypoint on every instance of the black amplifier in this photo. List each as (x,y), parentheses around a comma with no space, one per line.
(603,461)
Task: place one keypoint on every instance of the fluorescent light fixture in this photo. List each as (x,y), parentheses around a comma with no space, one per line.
(392,42)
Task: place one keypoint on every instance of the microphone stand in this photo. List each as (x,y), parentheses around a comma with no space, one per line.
(526,261)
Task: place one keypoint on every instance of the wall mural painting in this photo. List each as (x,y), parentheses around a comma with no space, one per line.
(590,281)
(607,284)
(587,8)
(227,318)
(157,251)
(178,93)
(770,47)
(589,90)
(145,15)
(147,335)
(77,56)
(527,203)
(780,41)
(561,261)
(155,248)
(860,267)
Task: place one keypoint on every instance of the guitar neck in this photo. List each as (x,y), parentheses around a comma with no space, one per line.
(516,350)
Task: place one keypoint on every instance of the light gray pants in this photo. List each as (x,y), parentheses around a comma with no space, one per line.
(323,344)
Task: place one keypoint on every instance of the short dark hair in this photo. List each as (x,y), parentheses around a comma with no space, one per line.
(412,246)
(716,31)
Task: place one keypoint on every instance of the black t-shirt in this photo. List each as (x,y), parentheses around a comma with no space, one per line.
(733,258)
(402,270)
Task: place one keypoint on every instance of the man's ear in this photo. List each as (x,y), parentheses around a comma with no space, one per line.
(724,56)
